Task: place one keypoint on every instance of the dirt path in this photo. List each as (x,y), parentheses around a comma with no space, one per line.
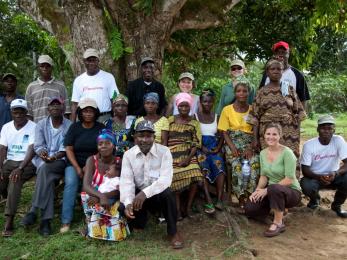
(318,234)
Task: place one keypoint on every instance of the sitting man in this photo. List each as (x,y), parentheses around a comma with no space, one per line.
(320,162)
(50,163)
(16,152)
(145,180)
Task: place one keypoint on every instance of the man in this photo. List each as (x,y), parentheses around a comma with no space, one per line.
(96,84)
(139,87)
(16,152)
(320,162)
(290,74)
(50,163)
(145,180)
(9,82)
(40,91)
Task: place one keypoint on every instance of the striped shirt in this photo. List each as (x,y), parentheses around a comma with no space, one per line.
(151,173)
(38,95)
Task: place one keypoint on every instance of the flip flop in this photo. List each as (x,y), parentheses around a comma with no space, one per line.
(209,209)
(219,205)
(7,233)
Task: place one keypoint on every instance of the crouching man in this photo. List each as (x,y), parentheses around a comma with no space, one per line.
(146,176)
(320,163)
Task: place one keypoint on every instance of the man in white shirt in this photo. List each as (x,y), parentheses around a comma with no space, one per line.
(16,152)
(96,84)
(145,180)
(320,163)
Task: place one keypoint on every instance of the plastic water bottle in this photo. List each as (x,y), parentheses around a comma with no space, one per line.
(246,173)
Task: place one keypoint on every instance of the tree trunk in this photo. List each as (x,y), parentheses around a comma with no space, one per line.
(81,24)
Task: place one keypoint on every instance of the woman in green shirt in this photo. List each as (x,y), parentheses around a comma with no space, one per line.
(278,187)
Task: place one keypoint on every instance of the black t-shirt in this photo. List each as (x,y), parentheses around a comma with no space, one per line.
(135,92)
(83,141)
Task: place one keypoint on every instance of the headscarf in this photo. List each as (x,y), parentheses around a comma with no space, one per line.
(151,96)
(120,97)
(184,97)
(106,134)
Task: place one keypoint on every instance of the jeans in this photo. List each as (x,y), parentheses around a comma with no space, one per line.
(72,182)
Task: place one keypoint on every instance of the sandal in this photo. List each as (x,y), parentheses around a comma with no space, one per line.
(7,233)
(176,242)
(209,208)
(219,205)
(280,228)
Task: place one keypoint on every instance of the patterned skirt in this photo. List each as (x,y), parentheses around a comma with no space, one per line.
(212,165)
(242,141)
(103,224)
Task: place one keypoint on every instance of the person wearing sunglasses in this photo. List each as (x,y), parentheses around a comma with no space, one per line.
(237,73)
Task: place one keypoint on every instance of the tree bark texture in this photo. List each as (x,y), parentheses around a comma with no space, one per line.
(80,24)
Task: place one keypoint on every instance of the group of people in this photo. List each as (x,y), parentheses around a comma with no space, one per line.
(134,153)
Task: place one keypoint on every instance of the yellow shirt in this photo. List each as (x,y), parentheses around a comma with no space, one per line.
(232,120)
(161,125)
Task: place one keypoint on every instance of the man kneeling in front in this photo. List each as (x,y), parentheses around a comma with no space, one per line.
(320,162)
(145,180)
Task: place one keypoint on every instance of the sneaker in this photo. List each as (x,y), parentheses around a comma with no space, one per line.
(313,204)
(341,213)
(29,219)
(65,228)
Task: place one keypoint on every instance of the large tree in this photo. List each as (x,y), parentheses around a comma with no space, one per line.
(145,27)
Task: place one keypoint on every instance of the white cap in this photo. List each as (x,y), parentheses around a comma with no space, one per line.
(19,103)
(90,53)
(45,59)
(87,102)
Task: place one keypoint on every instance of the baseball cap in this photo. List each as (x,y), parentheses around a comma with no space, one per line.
(90,53)
(280,44)
(19,103)
(146,59)
(8,75)
(45,59)
(87,102)
(237,63)
(145,125)
(326,119)
(186,75)
(59,99)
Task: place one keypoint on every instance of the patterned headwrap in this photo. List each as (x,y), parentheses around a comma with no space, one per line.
(184,97)
(120,97)
(151,96)
(106,134)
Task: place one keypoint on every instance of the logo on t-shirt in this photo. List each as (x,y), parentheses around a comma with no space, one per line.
(321,157)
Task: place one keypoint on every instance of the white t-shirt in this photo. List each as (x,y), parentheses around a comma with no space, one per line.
(99,87)
(17,141)
(288,75)
(324,158)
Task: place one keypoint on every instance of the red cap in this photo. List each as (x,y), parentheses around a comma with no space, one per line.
(280,44)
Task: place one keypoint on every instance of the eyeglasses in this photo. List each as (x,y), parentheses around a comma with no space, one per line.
(233,68)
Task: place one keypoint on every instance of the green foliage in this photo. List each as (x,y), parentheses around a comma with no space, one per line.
(328,93)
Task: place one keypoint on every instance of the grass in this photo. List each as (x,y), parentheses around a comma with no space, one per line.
(309,126)
(28,244)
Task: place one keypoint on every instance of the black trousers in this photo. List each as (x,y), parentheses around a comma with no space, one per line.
(310,187)
(164,202)
(278,197)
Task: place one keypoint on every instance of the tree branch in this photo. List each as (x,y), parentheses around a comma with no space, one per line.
(173,46)
(173,6)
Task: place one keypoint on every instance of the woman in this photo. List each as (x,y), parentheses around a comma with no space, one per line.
(101,192)
(80,143)
(277,102)
(161,124)
(237,73)
(186,83)
(184,139)
(278,187)
(211,163)
(239,143)
(121,125)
